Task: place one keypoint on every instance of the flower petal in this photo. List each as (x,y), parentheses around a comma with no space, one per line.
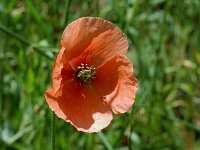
(51,98)
(61,72)
(93,39)
(116,83)
(81,107)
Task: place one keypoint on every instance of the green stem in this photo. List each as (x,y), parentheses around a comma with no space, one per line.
(23,40)
(53,132)
(131,130)
(104,141)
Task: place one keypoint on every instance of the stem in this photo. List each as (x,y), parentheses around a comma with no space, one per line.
(131,130)
(23,40)
(53,132)
(104,141)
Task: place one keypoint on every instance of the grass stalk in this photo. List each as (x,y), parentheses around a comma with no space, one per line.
(53,132)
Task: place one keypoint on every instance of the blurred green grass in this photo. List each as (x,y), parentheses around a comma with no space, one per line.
(164,37)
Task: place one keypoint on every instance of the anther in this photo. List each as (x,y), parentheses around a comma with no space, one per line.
(85,74)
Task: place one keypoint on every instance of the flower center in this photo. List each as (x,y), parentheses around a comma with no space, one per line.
(85,74)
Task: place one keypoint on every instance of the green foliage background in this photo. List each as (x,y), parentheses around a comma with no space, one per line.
(164,37)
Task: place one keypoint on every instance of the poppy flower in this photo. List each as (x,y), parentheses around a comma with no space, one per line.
(92,77)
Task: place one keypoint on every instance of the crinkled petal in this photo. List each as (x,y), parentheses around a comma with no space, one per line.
(81,107)
(94,40)
(61,72)
(116,83)
(52,100)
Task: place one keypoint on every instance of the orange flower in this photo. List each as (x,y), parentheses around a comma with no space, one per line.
(91,75)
